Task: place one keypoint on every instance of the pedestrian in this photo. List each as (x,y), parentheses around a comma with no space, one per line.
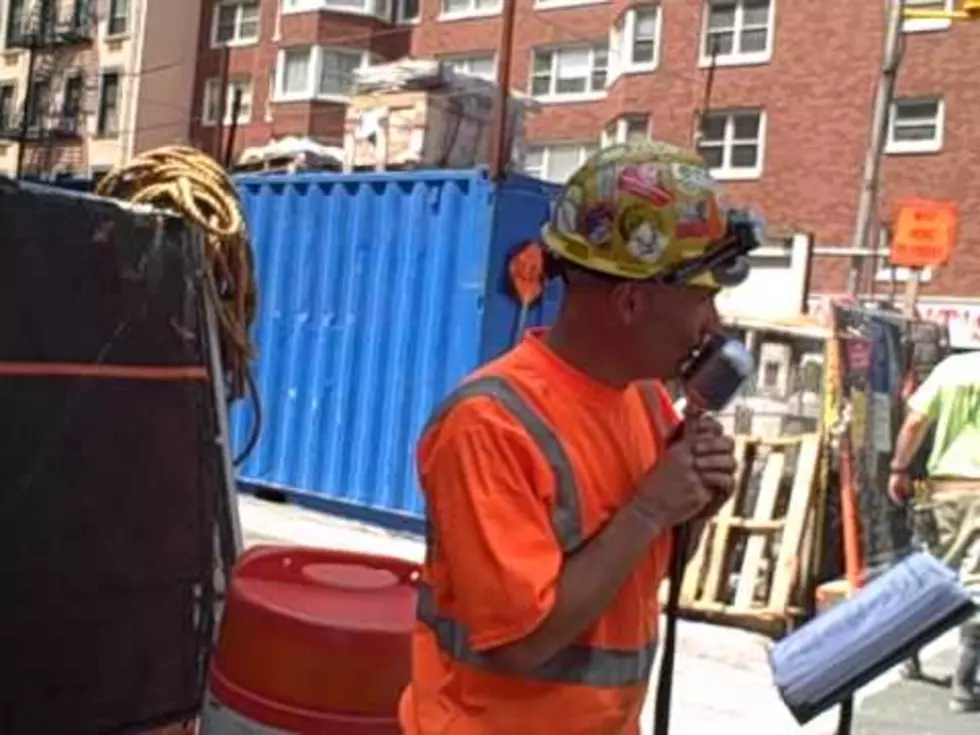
(549,487)
(948,404)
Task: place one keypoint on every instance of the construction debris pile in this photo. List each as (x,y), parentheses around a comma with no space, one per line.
(418,113)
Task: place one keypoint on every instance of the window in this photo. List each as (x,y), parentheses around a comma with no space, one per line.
(294,73)
(39,104)
(378,8)
(337,72)
(886,274)
(118,17)
(483,66)
(71,105)
(546,4)
(627,129)
(737,32)
(556,162)
(107,122)
(919,25)
(8,102)
(316,72)
(235,23)
(731,143)
(469,8)
(635,40)
(15,21)
(570,73)
(212,101)
(408,11)
(916,126)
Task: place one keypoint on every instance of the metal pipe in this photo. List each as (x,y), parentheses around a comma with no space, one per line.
(499,139)
(28,102)
(236,109)
(876,146)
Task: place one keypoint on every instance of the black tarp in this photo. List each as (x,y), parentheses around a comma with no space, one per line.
(107,484)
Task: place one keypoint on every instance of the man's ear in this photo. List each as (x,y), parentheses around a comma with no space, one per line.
(626,301)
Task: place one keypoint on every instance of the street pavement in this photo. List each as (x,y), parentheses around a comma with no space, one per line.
(917,707)
(722,679)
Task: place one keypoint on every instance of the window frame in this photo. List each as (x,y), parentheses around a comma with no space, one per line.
(736,58)
(66,114)
(883,273)
(100,131)
(926,25)
(319,6)
(622,39)
(452,59)
(12,85)
(621,125)
(113,15)
(471,12)
(212,86)
(559,4)
(12,33)
(401,18)
(727,172)
(238,40)
(553,97)
(586,149)
(896,147)
(312,93)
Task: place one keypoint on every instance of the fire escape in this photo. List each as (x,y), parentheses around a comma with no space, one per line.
(50,127)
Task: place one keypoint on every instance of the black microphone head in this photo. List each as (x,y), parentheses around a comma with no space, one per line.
(715,373)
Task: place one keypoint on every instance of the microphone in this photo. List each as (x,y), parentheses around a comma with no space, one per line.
(711,377)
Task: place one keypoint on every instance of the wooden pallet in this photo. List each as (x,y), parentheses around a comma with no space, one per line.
(747,567)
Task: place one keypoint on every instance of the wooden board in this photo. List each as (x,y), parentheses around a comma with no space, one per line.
(746,569)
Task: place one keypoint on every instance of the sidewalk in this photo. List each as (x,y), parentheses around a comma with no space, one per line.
(722,673)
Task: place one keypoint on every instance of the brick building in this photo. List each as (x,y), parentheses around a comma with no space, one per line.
(789,107)
(292,61)
(100,87)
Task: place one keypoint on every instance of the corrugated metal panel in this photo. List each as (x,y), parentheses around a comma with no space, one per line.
(371,297)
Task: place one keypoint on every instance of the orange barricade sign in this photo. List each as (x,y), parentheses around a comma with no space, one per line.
(924,233)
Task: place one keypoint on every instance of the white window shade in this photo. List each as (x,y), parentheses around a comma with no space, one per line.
(295,72)
(556,162)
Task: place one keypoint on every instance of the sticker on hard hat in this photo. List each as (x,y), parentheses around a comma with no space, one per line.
(643,180)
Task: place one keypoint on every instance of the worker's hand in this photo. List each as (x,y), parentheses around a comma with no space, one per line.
(899,488)
(714,460)
(673,491)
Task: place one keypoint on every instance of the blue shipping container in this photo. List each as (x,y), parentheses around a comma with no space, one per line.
(378,293)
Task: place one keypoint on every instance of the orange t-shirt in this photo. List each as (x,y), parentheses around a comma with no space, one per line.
(496,563)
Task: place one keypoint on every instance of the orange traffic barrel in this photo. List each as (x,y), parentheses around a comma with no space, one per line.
(312,641)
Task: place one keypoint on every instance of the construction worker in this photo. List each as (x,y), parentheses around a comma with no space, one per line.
(948,404)
(549,486)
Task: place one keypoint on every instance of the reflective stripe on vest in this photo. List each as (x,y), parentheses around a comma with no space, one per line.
(575,664)
(565,515)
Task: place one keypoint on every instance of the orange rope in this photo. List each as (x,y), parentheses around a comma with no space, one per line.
(163,373)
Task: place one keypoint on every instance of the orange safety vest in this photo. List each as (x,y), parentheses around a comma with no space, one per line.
(614,676)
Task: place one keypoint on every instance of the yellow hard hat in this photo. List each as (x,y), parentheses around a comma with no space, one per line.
(640,209)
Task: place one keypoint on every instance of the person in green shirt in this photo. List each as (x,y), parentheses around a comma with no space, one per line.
(948,402)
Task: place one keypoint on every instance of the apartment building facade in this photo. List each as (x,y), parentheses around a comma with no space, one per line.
(788,89)
(291,62)
(108,78)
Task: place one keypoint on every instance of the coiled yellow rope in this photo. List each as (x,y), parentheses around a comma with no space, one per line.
(191,183)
